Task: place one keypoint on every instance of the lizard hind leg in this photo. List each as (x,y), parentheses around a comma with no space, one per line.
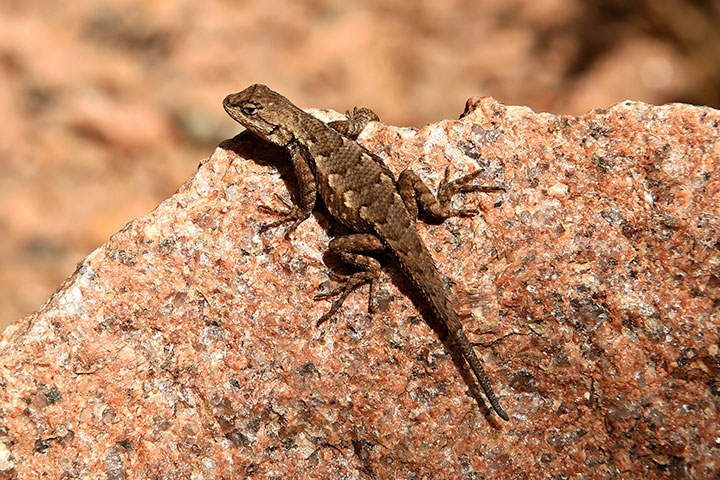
(353,249)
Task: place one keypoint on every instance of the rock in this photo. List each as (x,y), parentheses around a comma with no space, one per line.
(187,345)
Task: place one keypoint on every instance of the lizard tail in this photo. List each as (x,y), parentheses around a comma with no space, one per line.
(443,310)
(423,274)
(477,368)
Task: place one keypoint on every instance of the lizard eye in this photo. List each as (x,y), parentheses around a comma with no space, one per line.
(249,109)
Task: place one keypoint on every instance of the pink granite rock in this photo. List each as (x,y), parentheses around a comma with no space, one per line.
(187,345)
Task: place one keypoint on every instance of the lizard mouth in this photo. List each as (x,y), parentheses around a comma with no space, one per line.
(228,102)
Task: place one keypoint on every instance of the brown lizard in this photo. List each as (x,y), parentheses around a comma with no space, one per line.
(361,192)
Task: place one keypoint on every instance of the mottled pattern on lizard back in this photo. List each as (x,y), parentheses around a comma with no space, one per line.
(361,192)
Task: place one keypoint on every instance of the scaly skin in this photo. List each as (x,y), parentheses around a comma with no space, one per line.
(362,193)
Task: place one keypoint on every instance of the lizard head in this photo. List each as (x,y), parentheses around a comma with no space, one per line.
(263,112)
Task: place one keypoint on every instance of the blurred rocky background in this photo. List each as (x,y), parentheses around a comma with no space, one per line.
(107,107)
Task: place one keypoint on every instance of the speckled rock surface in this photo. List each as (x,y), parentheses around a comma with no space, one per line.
(187,345)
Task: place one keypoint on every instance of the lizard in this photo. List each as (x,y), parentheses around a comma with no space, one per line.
(361,192)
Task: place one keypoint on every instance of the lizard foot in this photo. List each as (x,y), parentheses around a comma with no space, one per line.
(357,119)
(345,288)
(448,189)
(354,250)
(291,213)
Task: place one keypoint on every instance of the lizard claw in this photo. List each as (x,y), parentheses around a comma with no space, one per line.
(277,211)
(344,289)
(292,214)
(448,189)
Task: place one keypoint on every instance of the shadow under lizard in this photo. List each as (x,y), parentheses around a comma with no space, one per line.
(361,192)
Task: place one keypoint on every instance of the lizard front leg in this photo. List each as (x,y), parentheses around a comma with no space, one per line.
(305,202)
(415,193)
(412,189)
(357,119)
(352,249)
